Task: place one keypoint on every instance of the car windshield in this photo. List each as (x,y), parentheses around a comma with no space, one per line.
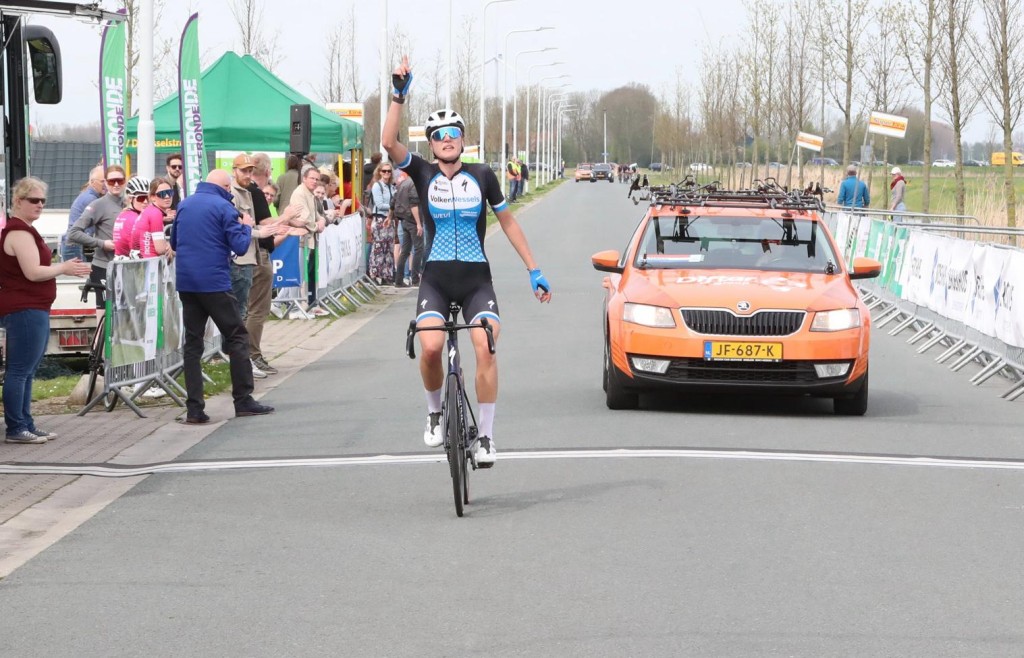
(749,243)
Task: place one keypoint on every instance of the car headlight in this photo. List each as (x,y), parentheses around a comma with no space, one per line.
(648,316)
(838,320)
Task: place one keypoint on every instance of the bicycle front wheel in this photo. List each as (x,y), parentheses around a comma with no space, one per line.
(454,438)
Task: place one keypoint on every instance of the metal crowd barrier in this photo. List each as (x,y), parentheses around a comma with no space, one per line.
(961,344)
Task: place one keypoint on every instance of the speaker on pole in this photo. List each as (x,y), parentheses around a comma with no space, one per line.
(301,129)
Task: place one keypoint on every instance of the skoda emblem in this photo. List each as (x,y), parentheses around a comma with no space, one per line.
(743,306)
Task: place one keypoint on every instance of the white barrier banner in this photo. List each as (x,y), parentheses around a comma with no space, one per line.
(988,265)
(339,250)
(916,274)
(955,272)
(1009,311)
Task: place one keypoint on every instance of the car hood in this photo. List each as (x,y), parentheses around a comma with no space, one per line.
(726,288)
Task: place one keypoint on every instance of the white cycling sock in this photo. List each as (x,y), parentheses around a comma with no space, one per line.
(433,401)
(486,419)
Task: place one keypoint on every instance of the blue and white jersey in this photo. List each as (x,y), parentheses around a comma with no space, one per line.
(454,210)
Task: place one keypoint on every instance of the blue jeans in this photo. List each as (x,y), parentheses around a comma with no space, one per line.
(27,334)
(241,284)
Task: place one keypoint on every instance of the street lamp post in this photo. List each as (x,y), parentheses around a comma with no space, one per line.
(483,76)
(562,111)
(526,137)
(541,119)
(504,98)
(515,94)
(553,100)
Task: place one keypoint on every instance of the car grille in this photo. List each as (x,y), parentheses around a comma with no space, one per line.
(745,373)
(726,323)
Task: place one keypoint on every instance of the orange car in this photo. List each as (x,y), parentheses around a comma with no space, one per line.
(735,291)
(584,171)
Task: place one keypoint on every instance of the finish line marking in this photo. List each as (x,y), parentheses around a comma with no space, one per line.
(134,470)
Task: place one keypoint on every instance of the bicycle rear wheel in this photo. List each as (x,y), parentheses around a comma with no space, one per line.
(454,439)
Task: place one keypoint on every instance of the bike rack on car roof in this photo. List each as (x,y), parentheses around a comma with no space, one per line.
(765,194)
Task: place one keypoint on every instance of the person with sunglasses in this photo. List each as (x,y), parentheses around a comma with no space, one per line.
(28,291)
(100,216)
(453,208)
(148,236)
(136,198)
(175,169)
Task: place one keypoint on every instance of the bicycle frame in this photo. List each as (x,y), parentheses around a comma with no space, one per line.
(454,394)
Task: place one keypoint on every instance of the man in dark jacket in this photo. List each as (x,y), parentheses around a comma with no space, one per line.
(207,230)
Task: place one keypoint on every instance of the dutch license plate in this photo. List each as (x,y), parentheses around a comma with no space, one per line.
(718,350)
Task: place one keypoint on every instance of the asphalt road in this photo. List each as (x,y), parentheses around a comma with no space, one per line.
(561,557)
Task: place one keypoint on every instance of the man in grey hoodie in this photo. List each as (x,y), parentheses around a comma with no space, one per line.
(100,216)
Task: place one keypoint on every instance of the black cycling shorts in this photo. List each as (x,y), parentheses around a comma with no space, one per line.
(467,284)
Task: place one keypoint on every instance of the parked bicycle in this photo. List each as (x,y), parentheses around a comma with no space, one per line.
(96,361)
(457,417)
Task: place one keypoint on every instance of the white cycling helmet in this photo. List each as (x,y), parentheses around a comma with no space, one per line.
(442,118)
(137,186)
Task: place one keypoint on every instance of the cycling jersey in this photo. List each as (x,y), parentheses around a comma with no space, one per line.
(122,236)
(454,211)
(148,228)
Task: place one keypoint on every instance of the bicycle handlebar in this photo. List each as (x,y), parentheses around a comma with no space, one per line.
(91,286)
(448,326)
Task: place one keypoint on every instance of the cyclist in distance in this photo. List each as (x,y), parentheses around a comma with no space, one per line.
(453,202)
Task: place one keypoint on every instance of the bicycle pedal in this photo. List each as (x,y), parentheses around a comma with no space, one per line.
(484,465)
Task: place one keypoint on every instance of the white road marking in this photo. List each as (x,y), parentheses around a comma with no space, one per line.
(121,471)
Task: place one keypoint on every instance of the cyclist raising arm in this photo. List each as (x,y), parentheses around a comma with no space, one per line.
(453,204)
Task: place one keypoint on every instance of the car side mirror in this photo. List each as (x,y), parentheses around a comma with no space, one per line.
(606,261)
(865,268)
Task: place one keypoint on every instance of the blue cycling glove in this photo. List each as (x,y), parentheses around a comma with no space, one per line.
(401,84)
(538,281)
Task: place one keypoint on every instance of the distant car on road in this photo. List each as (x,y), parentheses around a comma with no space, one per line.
(975,163)
(602,171)
(775,165)
(660,166)
(915,163)
(943,163)
(828,162)
(699,166)
(743,165)
(584,171)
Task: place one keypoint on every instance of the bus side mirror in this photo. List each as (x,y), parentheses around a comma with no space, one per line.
(44,56)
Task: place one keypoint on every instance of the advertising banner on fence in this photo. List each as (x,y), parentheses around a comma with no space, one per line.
(1009,312)
(340,248)
(189,106)
(113,85)
(287,263)
(134,311)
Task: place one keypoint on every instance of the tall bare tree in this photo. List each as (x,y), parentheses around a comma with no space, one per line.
(163,65)
(958,60)
(252,30)
(1004,30)
(846,21)
(888,81)
(796,62)
(919,43)
(341,79)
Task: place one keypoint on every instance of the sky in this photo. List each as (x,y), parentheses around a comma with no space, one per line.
(603,44)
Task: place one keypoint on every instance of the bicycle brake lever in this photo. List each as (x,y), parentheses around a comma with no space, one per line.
(490,334)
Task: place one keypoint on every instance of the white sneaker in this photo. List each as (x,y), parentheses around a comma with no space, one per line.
(432,434)
(296,314)
(256,372)
(154,392)
(485,452)
(319,311)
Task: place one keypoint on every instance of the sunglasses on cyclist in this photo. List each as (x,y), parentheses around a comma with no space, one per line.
(140,198)
(452,132)
(165,194)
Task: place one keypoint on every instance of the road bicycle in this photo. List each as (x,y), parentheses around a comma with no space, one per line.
(457,418)
(96,362)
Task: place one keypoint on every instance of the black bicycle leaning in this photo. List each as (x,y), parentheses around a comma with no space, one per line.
(96,363)
(457,416)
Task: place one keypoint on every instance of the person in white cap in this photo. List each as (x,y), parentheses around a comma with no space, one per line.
(898,186)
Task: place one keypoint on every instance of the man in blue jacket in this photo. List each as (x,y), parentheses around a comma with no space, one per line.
(853,193)
(207,230)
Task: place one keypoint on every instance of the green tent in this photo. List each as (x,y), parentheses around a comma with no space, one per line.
(246,108)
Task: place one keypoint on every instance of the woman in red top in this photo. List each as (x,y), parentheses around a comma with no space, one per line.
(148,236)
(27,291)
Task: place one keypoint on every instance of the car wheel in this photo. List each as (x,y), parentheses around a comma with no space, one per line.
(853,405)
(616,397)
